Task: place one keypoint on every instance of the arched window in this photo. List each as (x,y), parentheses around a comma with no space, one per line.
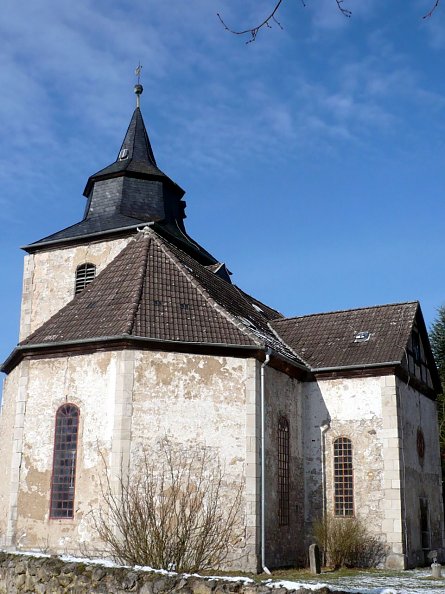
(85,273)
(64,462)
(343,477)
(283,472)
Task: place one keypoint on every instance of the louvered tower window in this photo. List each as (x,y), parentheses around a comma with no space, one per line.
(283,471)
(85,273)
(343,477)
(64,462)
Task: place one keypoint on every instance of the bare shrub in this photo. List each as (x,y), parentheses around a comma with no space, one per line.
(347,542)
(174,510)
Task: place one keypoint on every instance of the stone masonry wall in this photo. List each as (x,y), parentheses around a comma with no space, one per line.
(20,574)
(49,278)
(197,401)
(128,401)
(283,399)
(90,382)
(351,408)
(423,479)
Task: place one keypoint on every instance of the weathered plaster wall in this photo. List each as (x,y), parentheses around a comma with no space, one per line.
(90,383)
(422,474)
(12,406)
(283,398)
(200,400)
(381,417)
(352,408)
(128,401)
(365,411)
(49,277)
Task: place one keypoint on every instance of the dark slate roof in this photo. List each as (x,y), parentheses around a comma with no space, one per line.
(131,191)
(327,340)
(154,290)
(140,158)
(90,226)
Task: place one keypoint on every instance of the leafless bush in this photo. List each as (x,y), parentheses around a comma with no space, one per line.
(347,542)
(174,510)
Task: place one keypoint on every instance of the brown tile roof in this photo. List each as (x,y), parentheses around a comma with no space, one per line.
(327,340)
(154,290)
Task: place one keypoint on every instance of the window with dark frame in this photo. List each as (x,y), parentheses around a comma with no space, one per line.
(343,477)
(85,274)
(424,524)
(64,462)
(283,471)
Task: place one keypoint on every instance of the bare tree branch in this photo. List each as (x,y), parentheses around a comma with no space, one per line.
(176,509)
(433,8)
(345,11)
(271,18)
(253,31)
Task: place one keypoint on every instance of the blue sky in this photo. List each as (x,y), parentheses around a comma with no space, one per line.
(313,159)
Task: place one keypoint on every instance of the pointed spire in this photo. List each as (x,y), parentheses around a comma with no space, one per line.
(136,145)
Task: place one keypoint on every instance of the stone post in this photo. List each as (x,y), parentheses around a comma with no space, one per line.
(314,558)
(436,570)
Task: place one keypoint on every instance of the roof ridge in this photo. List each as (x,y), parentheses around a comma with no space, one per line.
(247,297)
(326,313)
(197,285)
(139,282)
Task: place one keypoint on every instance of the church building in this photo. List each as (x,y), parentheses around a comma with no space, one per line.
(131,332)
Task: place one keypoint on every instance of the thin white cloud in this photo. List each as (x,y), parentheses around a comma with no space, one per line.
(70,67)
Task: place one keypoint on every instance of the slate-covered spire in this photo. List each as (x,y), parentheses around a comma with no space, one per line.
(129,192)
(136,141)
(134,157)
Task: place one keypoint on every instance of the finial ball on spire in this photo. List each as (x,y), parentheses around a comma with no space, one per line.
(138,88)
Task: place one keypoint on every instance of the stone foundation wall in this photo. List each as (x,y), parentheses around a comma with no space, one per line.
(20,574)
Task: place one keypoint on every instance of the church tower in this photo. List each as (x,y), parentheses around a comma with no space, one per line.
(129,193)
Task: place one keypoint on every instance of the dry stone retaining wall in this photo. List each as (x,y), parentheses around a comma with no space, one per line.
(20,574)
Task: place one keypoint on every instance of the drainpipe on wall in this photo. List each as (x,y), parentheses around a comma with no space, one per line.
(323,429)
(263,466)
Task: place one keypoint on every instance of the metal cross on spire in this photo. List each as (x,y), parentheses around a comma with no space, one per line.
(138,88)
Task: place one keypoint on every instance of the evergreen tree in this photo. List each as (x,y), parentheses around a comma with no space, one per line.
(437,339)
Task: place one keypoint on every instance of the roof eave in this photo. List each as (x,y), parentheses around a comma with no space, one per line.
(304,372)
(20,351)
(352,367)
(32,247)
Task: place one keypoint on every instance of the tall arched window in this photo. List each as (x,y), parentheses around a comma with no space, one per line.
(85,273)
(343,477)
(64,462)
(283,471)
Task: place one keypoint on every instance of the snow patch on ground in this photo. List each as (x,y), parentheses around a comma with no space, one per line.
(416,581)
(295,585)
